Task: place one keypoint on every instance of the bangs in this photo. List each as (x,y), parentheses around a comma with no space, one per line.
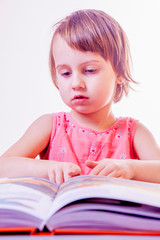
(85,31)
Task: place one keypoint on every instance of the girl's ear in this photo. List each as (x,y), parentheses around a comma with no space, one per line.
(120,80)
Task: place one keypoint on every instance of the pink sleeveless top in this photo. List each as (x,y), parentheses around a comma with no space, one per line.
(71,142)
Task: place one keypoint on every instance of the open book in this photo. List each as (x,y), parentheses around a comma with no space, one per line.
(83,202)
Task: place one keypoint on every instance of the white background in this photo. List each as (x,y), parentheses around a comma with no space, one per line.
(26,89)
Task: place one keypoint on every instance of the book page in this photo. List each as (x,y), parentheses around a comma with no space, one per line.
(90,214)
(83,187)
(29,195)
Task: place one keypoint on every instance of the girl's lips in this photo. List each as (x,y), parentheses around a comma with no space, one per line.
(79,99)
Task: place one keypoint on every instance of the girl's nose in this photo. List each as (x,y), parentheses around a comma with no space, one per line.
(78,82)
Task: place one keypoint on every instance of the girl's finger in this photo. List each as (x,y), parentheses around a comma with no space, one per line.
(66,176)
(59,175)
(51,175)
(74,171)
(97,169)
(106,171)
(115,174)
(91,164)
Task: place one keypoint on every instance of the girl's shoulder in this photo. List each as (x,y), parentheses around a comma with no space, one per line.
(34,140)
(44,122)
(145,143)
(45,118)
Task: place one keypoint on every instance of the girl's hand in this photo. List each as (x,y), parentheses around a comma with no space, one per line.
(112,168)
(59,172)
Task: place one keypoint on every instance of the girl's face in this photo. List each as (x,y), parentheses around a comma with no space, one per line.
(85,80)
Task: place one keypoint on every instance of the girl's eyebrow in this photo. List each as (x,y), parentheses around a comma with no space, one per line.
(81,64)
(90,62)
(61,66)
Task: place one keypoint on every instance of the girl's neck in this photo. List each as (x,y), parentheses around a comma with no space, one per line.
(98,121)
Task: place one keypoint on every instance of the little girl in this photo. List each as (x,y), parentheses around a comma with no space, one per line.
(89,63)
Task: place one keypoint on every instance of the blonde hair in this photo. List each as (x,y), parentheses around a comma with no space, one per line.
(96,31)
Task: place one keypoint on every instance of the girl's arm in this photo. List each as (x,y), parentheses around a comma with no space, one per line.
(148,167)
(19,159)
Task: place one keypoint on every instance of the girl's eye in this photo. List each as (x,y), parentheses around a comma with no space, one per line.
(66,73)
(90,70)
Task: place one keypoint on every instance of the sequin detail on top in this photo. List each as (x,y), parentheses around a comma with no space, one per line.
(71,142)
